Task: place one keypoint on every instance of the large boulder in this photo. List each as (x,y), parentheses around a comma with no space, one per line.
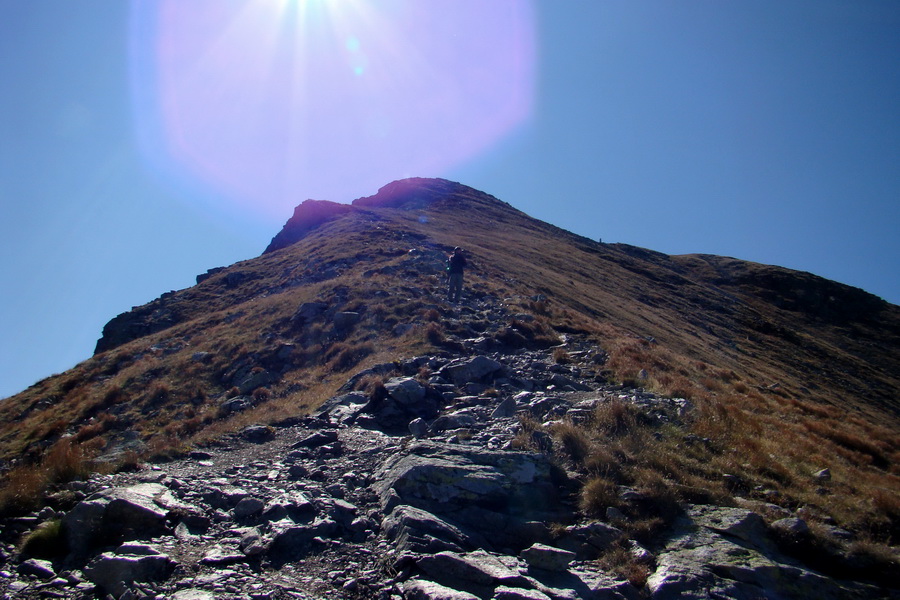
(470,370)
(113,516)
(493,496)
(721,552)
(116,571)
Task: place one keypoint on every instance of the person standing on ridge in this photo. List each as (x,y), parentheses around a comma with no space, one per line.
(456,263)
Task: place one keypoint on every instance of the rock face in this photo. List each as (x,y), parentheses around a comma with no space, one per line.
(307,216)
(491,496)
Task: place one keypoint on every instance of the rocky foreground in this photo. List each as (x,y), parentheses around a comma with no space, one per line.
(418,492)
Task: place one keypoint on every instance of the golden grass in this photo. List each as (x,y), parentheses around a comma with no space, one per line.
(776,396)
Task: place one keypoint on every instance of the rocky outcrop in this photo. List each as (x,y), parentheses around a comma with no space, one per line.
(309,215)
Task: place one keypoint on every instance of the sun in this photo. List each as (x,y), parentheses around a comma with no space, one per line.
(269,102)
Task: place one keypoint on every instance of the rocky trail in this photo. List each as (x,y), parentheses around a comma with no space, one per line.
(417,491)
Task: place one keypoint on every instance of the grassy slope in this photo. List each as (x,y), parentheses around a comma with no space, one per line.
(782,387)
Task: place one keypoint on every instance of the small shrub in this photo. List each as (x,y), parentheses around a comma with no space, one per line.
(66,461)
(615,418)
(261,395)
(573,441)
(22,491)
(597,495)
(620,560)
(342,356)
(561,357)
(434,333)
(45,542)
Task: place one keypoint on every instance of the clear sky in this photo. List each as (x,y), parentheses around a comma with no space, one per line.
(142,143)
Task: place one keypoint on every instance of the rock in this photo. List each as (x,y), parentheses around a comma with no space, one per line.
(248,507)
(319,438)
(115,573)
(822,475)
(343,409)
(33,567)
(508,593)
(506,409)
(548,558)
(493,493)
(193,594)
(345,320)
(418,428)
(118,514)
(415,530)
(452,421)
(258,434)
(236,404)
(405,390)
(475,572)
(225,496)
(469,370)
(289,540)
(420,589)
(791,527)
(725,552)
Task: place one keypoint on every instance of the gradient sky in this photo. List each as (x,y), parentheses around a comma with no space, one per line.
(142,143)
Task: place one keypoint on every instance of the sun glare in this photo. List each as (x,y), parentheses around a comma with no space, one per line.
(267,102)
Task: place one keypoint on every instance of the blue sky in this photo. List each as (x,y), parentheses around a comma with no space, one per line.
(144,143)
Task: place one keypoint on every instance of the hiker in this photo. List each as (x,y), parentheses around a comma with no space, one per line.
(456,263)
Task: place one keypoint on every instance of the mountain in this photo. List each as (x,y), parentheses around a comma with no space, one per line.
(707,380)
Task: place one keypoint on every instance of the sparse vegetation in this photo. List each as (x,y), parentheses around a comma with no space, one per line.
(774,394)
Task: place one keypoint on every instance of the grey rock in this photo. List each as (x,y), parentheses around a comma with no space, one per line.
(258,434)
(452,421)
(248,507)
(418,428)
(405,390)
(225,496)
(548,558)
(33,567)
(822,475)
(219,555)
(505,409)
(511,593)
(792,527)
(252,542)
(114,515)
(115,573)
(725,552)
(473,572)
(420,589)
(248,382)
(415,530)
(470,370)
(319,438)
(236,404)
(467,485)
(193,594)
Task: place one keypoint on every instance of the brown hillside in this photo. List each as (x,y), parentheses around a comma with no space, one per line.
(782,363)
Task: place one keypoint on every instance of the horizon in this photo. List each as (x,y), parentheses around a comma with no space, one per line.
(147,143)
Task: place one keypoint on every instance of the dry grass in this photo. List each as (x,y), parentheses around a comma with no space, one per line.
(777,395)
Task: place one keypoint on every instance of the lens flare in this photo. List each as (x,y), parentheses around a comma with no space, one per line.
(264,103)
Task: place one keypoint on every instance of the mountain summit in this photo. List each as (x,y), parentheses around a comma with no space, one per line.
(586,416)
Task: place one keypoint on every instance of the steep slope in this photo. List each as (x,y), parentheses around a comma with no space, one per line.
(788,371)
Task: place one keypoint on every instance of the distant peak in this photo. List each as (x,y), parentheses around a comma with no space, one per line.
(405,194)
(416,192)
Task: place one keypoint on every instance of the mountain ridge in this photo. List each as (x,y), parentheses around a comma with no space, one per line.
(689,383)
